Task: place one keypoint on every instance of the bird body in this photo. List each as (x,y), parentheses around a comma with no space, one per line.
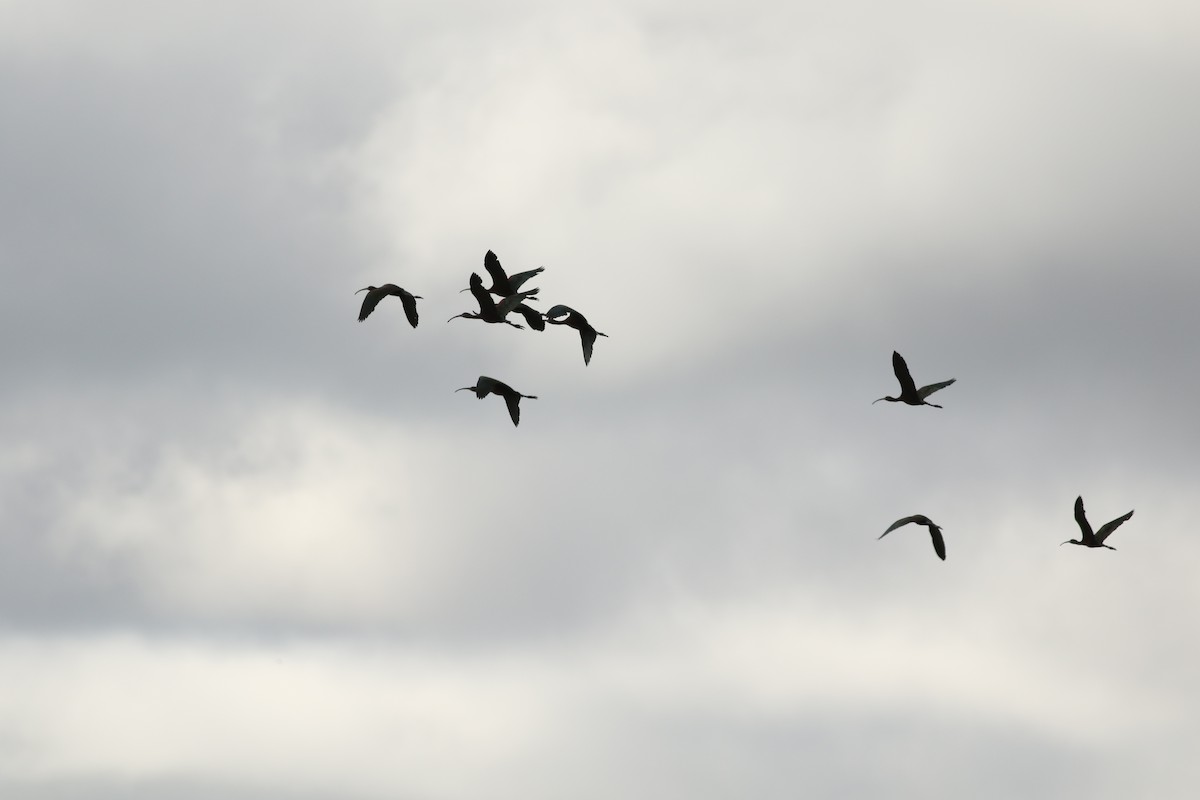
(573,319)
(485,386)
(1096,539)
(504,284)
(490,310)
(935,532)
(377,293)
(909,393)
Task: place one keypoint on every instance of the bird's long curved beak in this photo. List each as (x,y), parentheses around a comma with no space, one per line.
(1068,541)
(363,289)
(465,388)
(456,316)
(873,402)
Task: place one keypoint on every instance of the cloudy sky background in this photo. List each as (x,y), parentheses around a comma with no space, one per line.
(250,548)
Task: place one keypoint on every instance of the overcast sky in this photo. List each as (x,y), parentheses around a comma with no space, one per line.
(253,549)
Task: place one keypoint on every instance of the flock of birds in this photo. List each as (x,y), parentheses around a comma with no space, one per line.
(910,394)
(512,299)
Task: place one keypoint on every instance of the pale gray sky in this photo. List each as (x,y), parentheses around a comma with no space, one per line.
(254,549)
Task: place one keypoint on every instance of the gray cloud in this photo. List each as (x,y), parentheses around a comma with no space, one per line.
(251,546)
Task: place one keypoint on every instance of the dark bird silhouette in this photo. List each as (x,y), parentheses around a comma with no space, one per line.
(909,393)
(935,533)
(504,284)
(377,293)
(1094,539)
(485,386)
(489,310)
(573,319)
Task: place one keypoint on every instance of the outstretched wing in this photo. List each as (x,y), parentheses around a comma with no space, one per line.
(410,307)
(1108,527)
(925,391)
(588,337)
(939,544)
(513,400)
(1081,518)
(935,533)
(920,519)
(515,281)
(492,264)
(560,311)
(901,369)
(369,302)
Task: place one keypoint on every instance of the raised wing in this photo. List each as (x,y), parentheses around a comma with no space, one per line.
(901,369)
(561,311)
(935,533)
(492,264)
(1084,526)
(410,307)
(925,391)
(920,519)
(515,281)
(486,306)
(1108,527)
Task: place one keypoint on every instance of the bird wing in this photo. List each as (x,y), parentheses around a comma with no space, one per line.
(939,544)
(532,317)
(486,306)
(513,400)
(511,302)
(935,533)
(588,337)
(1108,527)
(925,391)
(410,307)
(515,281)
(492,264)
(369,302)
(901,369)
(918,518)
(1081,518)
(560,311)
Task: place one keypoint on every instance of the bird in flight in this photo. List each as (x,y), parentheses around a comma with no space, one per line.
(485,386)
(490,310)
(504,284)
(573,319)
(935,533)
(377,293)
(1090,539)
(909,393)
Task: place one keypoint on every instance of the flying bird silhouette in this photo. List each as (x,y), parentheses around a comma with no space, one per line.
(504,284)
(1096,539)
(935,533)
(377,293)
(490,310)
(573,319)
(485,386)
(909,393)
